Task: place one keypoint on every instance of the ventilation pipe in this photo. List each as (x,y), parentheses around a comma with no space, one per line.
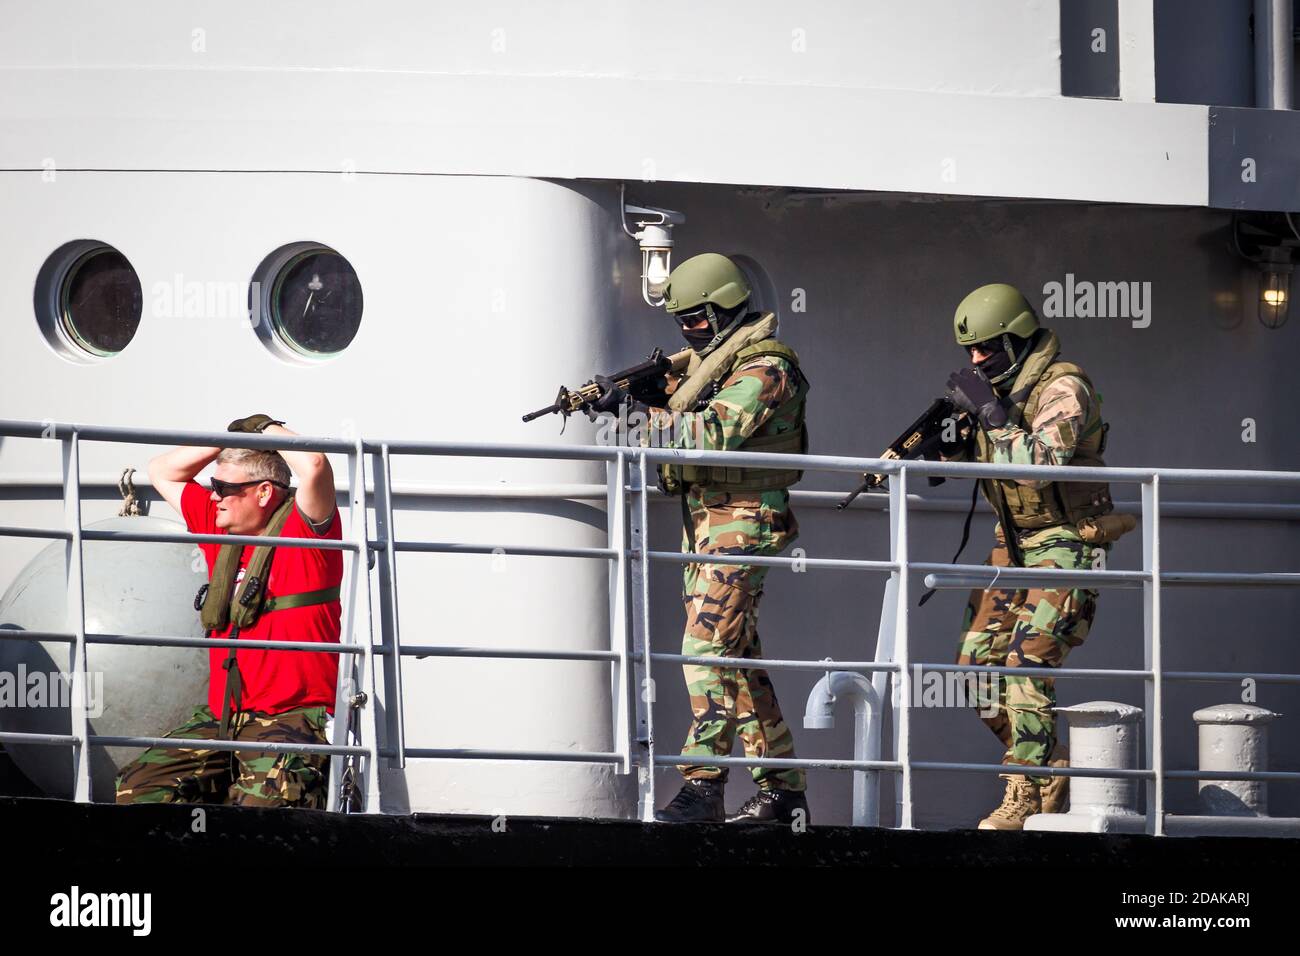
(819,715)
(1273,47)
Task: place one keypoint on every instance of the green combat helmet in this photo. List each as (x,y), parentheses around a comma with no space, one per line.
(997,312)
(708,283)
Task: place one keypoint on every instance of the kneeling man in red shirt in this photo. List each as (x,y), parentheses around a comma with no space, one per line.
(254,593)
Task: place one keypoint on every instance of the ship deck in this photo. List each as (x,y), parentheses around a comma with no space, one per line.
(66,833)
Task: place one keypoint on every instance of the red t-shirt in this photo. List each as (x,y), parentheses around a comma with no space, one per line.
(276,681)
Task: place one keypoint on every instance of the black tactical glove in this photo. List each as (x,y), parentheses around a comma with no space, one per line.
(610,398)
(254,424)
(971,391)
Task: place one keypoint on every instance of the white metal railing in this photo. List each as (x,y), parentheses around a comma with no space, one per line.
(367,640)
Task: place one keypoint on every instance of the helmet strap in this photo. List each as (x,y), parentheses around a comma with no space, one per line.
(720,331)
(1017,361)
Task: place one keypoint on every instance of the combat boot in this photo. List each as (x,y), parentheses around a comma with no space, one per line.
(773,806)
(1020,802)
(1056,794)
(699,801)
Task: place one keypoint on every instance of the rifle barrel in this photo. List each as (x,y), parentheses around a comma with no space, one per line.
(548,410)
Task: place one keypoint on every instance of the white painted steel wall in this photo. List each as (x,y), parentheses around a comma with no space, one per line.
(932,97)
(880,280)
(432,360)
(307,89)
(914,45)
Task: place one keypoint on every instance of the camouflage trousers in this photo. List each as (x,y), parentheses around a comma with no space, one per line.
(245,778)
(1031,628)
(722,621)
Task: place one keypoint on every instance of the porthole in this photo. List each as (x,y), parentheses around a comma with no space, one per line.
(88,300)
(762,297)
(305,302)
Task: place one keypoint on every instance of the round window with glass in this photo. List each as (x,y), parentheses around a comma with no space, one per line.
(307,301)
(88,300)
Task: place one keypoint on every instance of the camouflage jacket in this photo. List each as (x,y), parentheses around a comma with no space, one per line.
(765,396)
(1052,437)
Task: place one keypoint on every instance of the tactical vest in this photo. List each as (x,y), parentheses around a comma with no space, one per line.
(677,479)
(219,607)
(1057,502)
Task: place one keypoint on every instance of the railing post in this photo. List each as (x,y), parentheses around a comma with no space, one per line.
(638,545)
(902,650)
(74,564)
(356,617)
(386,535)
(620,635)
(880,683)
(1154,686)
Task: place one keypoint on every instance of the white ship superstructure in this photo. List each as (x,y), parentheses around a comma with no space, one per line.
(457,176)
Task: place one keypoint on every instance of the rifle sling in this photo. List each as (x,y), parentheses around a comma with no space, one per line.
(687,525)
(965,536)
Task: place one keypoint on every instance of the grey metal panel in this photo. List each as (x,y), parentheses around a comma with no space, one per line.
(1254,159)
(1204,52)
(1090,61)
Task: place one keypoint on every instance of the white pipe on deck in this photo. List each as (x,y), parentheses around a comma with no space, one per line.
(819,715)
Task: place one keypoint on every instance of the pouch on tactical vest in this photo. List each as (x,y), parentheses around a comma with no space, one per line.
(1104,529)
(1059,502)
(749,342)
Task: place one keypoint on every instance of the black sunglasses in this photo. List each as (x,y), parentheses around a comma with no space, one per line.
(225,488)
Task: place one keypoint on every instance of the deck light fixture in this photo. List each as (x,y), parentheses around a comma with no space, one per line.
(655,236)
(1269,241)
(1275,268)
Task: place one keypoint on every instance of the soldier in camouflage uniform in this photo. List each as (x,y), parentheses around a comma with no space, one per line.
(742,391)
(1031,409)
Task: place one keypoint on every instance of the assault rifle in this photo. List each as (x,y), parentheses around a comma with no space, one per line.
(921,439)
(647,380)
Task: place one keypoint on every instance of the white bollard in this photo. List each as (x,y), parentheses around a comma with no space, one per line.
(1104,734)
(1233,737)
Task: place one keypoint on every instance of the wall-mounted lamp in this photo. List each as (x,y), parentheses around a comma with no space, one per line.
(1275,268)
(1270,241)
(655,236)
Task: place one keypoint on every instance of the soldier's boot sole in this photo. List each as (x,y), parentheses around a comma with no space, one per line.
(1021,801)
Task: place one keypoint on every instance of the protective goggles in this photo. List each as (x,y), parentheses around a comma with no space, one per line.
(693,316)
(226,488)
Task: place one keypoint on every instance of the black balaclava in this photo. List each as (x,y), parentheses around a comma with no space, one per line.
(698,338)
(722,323)
(1009,351)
